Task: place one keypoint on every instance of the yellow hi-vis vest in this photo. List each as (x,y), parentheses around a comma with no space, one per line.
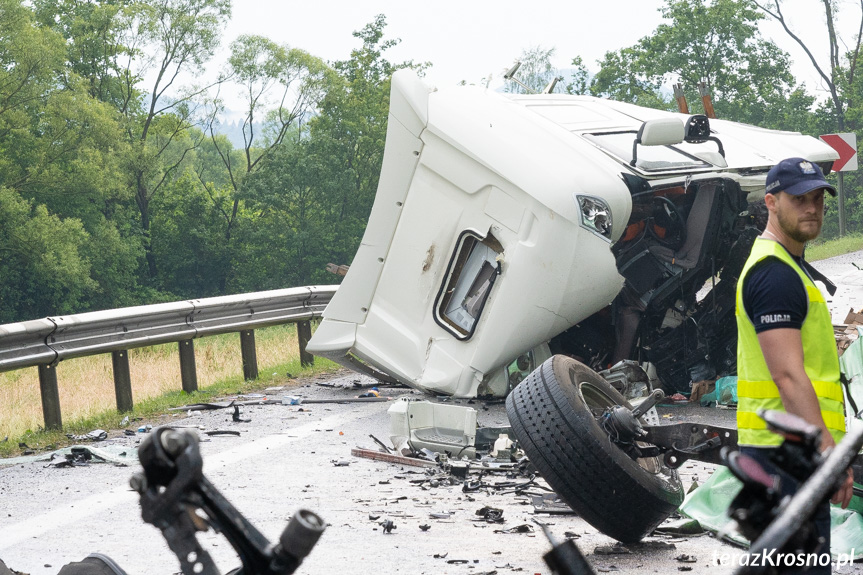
(755,387)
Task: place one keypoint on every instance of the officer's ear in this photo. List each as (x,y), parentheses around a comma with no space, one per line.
(770,201)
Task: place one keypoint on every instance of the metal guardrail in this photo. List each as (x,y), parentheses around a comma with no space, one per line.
(43,343)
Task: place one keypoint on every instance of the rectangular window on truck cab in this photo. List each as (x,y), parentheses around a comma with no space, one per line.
(470,277)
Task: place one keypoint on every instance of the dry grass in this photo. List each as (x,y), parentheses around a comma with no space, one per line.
(87,386)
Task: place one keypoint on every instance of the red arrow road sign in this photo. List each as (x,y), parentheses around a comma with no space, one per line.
(846,146)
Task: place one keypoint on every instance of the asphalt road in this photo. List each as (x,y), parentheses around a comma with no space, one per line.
(284,459)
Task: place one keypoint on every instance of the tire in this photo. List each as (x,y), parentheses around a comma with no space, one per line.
(550,414)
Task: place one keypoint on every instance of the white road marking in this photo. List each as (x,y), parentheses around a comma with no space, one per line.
(75,511)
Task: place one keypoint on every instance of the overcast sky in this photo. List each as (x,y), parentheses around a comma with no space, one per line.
(470,39)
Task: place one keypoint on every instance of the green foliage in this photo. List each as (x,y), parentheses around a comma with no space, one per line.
(622,77)
(579,83)
(716,42)
(188,238)
(42,261)
(115,191)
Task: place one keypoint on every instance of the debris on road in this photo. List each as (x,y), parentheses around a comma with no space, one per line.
(418,425)
(117,454)
(615,549)
(236,416)
(284,400)
(223,432)
(491,514)
(551,503)
(680,526)
(398,459)
(387,526)
(95,435)
(524,528)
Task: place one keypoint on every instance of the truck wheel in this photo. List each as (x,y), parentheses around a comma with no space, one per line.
(553,415)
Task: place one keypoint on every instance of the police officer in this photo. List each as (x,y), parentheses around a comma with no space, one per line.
(786,351)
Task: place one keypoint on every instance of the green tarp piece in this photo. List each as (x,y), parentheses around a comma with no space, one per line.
(726,390)
(851,360)
(709,505)
(724,393)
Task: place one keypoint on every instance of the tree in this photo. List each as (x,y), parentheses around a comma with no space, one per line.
(842,111)
(535,71)
(95,32)
(42,265)
(716,42)
(281,86)
(349,134)
(293,237)
(579,82)
(840,72)
(622,76)
(167,38)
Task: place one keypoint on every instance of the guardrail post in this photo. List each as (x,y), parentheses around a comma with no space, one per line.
(50,397)
(250,356)
(304,334)
(188,372)
(122,380)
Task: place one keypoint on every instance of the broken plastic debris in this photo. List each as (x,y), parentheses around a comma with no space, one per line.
(341,462)
(95,435)
(491,514)
(503,442)
(387,526)
(525,528)
(425,527)
(236,416)
(616,549)
(550,503)
(686,558)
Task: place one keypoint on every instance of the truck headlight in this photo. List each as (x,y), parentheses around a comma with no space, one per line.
(595,215)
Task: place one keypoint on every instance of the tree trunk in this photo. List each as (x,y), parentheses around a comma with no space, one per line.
(143,201)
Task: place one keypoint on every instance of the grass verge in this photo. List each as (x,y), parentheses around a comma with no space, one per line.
(821,250)
(87,390)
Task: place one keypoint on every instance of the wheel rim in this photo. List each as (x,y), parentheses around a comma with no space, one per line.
(598,401)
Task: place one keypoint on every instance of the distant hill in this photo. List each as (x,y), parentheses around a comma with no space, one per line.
(234,132)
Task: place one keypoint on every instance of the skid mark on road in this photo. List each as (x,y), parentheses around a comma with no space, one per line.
(74,512)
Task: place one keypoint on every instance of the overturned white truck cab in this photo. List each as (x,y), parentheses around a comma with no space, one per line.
(507,228)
